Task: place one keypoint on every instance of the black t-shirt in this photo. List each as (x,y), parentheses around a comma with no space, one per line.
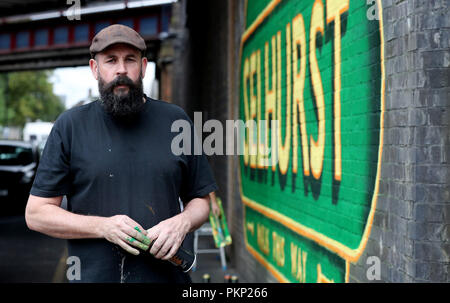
(106,167)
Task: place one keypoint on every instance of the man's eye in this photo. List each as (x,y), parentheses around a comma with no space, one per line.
(111,61)
(130,59)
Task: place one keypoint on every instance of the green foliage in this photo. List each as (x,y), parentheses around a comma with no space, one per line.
(28,96)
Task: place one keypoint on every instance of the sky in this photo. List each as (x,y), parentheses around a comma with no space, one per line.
(74,82)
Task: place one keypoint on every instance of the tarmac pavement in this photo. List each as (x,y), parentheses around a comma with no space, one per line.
(27,256)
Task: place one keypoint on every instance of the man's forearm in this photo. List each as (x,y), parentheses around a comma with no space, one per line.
(196,212)
(57,222)
(46,216)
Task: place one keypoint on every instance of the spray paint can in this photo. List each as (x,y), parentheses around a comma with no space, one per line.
(206,278)
(227,279)
(182,258)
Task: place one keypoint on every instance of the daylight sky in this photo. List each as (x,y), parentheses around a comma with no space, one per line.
(74,83)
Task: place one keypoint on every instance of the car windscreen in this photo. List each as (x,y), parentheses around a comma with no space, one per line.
(15,155)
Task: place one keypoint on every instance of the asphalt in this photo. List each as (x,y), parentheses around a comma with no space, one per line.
(27,256)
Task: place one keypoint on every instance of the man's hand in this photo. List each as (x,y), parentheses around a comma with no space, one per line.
(213,204)
(168,236)
(215,208)
(125,232)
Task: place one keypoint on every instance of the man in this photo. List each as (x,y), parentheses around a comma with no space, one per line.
(112,159)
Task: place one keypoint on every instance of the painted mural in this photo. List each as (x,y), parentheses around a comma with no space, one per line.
(310,184)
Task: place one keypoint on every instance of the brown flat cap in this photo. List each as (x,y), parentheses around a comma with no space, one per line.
(116,33)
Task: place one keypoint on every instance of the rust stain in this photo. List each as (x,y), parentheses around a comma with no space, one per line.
(150,208)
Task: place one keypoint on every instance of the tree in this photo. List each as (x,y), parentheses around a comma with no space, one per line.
(28,96)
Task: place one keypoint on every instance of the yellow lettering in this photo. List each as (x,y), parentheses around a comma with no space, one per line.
(299,43)
(251,227)
(262,235)
(284,148)
(317,147)
(298,263)
(304,256)
(294,249)
(246,113)
(260,156)
(334,10)
(321,278)
(270,97)
(278,249)
(256,143)
(253,107)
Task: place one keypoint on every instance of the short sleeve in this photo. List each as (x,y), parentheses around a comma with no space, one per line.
(198,180)
(52,176)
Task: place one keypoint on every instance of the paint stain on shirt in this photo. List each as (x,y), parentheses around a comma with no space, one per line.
(150,209)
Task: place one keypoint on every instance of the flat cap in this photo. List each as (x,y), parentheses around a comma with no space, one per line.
(116,33)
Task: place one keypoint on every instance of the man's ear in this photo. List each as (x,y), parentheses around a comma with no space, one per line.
(144,66)
(94,68)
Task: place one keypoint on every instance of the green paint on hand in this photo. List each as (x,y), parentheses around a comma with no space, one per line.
(146,241)
(143,247)
(131,239)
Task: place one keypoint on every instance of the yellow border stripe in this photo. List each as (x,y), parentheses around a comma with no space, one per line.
(279,276)
(300,229)
(269,8)
(347,271)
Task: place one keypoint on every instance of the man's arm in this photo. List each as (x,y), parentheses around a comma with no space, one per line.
(170,233)
(45,215)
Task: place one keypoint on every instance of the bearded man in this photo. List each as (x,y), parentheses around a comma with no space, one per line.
(112,158)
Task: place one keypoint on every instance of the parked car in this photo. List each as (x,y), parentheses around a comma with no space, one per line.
(41,146)
(36,131)
(18,164)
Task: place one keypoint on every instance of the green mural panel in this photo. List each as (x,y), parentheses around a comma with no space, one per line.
(329,208)
(296,258)
(254,8)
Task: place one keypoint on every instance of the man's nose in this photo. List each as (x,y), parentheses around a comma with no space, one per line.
(121,68)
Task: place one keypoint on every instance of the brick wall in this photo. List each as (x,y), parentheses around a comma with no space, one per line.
(411,230)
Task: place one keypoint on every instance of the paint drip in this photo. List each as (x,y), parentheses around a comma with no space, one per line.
(123,276)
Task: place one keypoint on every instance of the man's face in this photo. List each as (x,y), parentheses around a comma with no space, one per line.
(119,70)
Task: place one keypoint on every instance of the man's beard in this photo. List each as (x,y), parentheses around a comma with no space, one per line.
(123,106)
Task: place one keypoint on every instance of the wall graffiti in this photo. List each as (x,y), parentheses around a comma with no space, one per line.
(317,67)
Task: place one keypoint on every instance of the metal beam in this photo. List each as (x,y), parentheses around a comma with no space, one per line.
(152,23)
(57,58)
(45,54)
(48,64)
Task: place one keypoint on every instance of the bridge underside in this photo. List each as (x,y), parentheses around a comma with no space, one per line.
(28,44)
(49,59)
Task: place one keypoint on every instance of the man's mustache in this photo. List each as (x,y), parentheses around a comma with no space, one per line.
(119,80)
